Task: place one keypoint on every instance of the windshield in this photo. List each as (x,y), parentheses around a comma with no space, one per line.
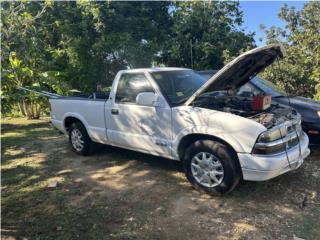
(207,74)
(178,85)
(267,87)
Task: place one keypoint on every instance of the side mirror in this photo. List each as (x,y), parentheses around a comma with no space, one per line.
(147,99)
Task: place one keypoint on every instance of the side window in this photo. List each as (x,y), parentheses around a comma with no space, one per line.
(130,85)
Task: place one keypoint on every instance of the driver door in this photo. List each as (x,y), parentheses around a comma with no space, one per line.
(142,128)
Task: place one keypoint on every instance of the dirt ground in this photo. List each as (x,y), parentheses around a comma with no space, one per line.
(120,194)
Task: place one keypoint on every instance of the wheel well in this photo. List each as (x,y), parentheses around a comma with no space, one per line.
(191,138)
(69,121)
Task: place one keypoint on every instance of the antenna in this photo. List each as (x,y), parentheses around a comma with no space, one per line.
(191,55)
(282,80)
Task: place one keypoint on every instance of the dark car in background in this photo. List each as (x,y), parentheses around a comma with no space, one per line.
(308,109)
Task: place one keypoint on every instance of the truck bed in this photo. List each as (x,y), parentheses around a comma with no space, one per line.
(91,96)
(89,109)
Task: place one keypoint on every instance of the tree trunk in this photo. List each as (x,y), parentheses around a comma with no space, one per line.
(21,108)
(32,109)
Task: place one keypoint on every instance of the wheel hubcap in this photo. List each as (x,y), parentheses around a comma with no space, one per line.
(207,169)
(77,140)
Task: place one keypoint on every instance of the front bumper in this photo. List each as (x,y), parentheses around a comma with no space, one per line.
(264,167)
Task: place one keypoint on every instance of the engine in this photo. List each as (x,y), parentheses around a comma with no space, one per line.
(258,109)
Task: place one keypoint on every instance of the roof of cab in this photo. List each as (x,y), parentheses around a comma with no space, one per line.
(155,69)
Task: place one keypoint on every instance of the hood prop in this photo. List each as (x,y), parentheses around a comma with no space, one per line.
(288,97)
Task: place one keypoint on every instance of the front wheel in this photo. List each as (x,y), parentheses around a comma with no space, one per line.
(79,139)
(212,167)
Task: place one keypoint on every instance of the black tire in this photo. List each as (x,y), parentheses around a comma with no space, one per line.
(227,158)
(88,145)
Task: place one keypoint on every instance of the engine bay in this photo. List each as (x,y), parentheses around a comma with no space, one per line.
(223,101)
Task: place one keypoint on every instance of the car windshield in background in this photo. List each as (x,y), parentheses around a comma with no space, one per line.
(267,87)
(178,85)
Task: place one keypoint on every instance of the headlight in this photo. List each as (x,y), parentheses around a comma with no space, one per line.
(273,134)
(279,138)
(318,113)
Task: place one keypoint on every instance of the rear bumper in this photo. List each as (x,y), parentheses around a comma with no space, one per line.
(264,167)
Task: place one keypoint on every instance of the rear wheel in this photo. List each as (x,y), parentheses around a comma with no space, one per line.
(212,167)
(79,139)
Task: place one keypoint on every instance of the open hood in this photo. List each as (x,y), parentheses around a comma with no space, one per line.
(239,71)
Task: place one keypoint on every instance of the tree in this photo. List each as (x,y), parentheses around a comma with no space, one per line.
(202,31)
(299,71)
(94,40)
(67,45)
(71,46)
(22,53)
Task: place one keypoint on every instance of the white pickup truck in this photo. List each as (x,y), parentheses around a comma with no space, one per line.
(176,114)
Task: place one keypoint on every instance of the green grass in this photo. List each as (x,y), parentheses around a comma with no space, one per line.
(16,131)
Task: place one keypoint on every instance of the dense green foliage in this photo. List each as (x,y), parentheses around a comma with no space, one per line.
(201,32)
(73,46)
(299,72)
(68,45)
(64,46)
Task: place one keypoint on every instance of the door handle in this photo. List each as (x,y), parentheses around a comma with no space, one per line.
(114,111)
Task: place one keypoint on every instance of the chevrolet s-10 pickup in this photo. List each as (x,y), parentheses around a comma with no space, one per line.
(175,113)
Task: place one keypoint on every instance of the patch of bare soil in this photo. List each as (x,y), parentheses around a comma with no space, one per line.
(120,194)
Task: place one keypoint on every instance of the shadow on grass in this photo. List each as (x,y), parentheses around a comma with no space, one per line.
(30,210)
(9,127)
(152,161)
(115,194)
